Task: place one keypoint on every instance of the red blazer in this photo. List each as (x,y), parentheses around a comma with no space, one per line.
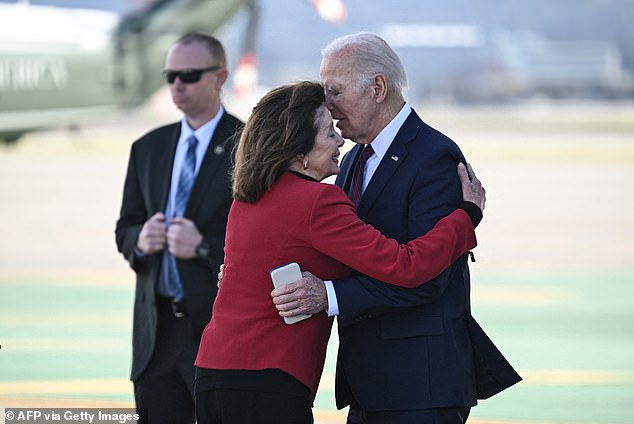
(315,225)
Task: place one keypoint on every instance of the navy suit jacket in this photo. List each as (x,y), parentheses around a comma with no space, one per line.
(416,348)
(145,193)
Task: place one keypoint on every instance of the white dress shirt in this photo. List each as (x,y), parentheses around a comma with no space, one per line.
(203,135)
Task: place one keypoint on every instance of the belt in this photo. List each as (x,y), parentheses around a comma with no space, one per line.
(177,307)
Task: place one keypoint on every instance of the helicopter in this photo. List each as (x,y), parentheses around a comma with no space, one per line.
(61,66)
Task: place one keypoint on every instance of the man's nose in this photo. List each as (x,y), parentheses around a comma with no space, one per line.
(177,82)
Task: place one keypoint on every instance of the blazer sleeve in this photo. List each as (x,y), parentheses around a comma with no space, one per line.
(132,216)
(336,231)
(434,193)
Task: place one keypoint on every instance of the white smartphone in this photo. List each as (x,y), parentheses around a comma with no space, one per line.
(286,274)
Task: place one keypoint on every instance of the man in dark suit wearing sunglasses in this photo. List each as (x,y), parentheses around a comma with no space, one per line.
(171,228)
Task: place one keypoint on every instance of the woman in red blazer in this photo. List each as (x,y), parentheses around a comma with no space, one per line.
(252,367)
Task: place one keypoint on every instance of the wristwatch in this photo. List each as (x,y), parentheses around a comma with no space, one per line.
(202,250)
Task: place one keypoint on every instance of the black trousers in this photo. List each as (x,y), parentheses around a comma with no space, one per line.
(251,397)
(421,416)
(164,393)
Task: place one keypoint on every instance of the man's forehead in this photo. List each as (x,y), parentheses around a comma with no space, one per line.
(335,73)
(189,55)
(334,79)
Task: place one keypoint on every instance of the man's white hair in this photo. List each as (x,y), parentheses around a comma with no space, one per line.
(373,55)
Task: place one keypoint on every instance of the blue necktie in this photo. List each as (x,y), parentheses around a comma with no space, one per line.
(183,190)
(356,184)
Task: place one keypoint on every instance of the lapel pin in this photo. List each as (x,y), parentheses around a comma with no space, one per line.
(218,150)
(394,158)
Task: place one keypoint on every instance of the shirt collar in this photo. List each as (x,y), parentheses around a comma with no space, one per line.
(203,134)
(384,139)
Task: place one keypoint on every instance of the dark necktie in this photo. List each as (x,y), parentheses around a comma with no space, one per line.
(356,184)
(186,177)
(183,190)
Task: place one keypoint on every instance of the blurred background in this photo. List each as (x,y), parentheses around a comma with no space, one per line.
(539,95)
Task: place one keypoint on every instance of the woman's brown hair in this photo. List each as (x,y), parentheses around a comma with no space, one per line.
(282,125)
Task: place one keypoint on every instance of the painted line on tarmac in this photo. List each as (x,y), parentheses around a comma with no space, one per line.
(576,377)
(118,386)
(36,388)
(61,393)
(87,277)
(68,344)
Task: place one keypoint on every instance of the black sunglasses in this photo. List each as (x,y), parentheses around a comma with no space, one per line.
(187,76)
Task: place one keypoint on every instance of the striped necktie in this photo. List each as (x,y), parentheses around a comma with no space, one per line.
(183,190)
(356,185)
(186,177)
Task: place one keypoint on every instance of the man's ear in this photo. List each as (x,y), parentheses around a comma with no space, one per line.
(223,75)
(380,88)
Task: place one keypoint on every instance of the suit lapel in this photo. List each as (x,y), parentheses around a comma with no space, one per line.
(394,157)
(165,164)
(210,166)
(347,164)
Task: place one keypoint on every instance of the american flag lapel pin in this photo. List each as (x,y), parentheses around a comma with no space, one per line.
(394,158)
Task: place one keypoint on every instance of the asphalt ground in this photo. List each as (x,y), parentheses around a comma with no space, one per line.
(553,284)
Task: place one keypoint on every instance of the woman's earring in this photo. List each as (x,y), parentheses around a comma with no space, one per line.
(305,163)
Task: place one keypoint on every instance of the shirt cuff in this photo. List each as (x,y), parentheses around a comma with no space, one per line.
(473,210)
(333,306)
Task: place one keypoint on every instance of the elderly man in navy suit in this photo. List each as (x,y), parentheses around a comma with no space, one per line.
(405,356)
